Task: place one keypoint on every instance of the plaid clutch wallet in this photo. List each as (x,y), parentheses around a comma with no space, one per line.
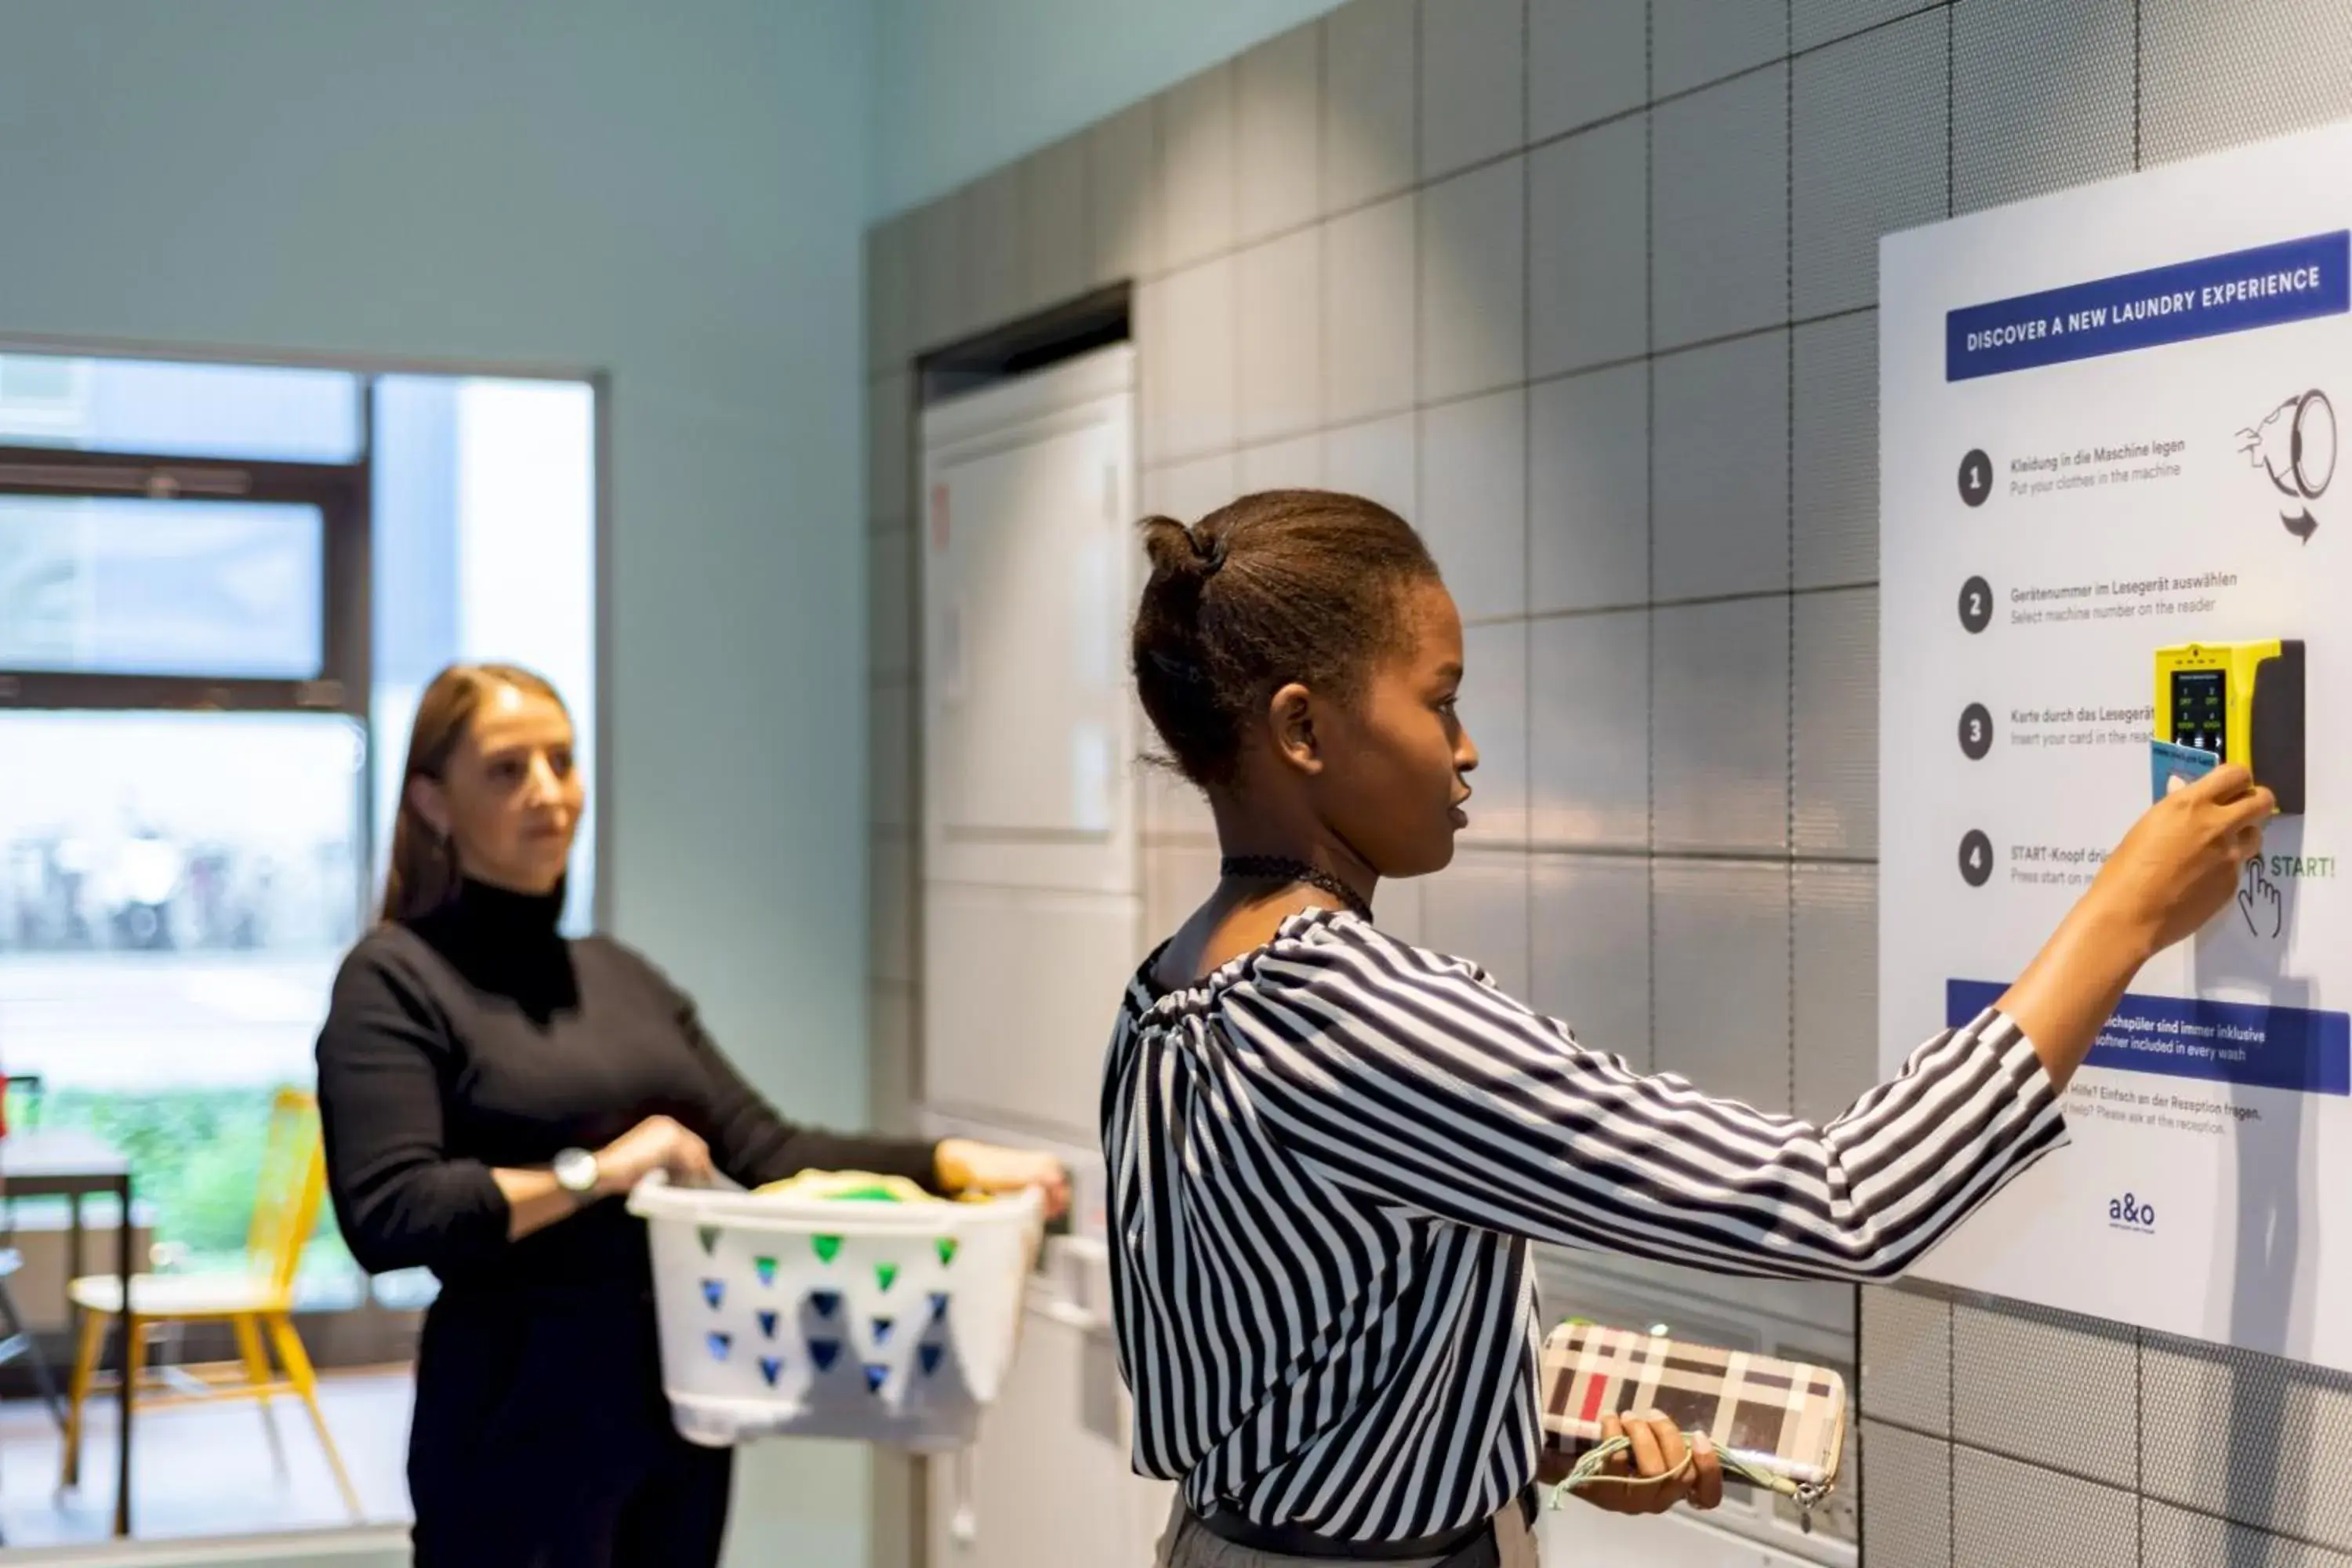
(1781,1423)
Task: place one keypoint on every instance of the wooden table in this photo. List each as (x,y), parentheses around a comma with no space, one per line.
(35,1164)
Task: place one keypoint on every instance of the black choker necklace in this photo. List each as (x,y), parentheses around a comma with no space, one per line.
(1281,869)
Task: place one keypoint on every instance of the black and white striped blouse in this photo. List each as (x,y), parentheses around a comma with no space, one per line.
(1326,1163)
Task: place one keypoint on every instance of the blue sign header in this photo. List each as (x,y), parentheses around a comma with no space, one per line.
(2292,282)
(2218,1042)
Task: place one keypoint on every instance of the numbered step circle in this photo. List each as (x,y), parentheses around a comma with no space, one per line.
(1975,858)
(1976,478)
(1976,731)
(1975,604)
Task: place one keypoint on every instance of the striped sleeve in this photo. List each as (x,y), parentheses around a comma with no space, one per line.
(1411,1079)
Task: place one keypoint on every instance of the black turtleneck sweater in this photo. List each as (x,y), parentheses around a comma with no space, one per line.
(479,1037)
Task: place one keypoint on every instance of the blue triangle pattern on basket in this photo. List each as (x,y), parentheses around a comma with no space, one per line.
(720,1345)
(939,1306)
(876,1376)
(824,1353)
(826,1302)
(714,1291)
(768,1323)
(882,1327)
(766,1267)
(928,1357)
(771,1368)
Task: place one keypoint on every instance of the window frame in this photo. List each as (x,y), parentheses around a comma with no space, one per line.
(339,490)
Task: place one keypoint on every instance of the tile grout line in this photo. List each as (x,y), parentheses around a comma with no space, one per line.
(1234,388)
(1789,532)
(1951,1317)
(1650,497)
(1951,130)
(2082,1478)
(2139,1336)
(1697,601)
(1951,1443)
(1761,858)
(1527,475)
(2139,10)
(2139,1435)
(1415,188)
(1322,255)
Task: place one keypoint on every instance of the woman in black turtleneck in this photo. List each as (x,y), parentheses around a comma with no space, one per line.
(490,1091)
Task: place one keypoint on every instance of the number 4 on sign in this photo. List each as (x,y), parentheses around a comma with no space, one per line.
(1975,858)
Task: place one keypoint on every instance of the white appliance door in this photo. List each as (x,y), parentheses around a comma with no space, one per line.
(1028,734)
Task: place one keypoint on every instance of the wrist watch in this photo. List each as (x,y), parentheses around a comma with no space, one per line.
(575,1171)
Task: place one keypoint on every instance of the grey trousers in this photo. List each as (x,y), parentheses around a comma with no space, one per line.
(1188,1543)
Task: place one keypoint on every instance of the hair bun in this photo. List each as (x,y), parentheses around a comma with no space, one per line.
(1179,552)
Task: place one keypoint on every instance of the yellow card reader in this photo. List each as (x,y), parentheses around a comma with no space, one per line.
(2243,701)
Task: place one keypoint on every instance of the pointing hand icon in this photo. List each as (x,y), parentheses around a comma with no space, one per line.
(2260,902)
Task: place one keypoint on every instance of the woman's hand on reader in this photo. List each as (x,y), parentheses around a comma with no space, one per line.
(1669,1467)
(2176,868)
(2179,865)
(657,1144)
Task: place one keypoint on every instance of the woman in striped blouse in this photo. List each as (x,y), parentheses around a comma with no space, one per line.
(1329,1149)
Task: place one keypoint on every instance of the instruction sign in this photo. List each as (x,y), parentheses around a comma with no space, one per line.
(2111,515)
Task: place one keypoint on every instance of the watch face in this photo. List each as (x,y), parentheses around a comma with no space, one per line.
(575,1170)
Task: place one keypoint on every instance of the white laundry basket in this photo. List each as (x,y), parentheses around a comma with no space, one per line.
(880,1322)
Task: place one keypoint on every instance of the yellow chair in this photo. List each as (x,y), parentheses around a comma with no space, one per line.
(255,1301)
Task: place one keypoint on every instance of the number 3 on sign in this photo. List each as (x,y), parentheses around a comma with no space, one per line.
(1976,731)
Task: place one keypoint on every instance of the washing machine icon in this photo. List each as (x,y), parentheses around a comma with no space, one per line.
(2295,445)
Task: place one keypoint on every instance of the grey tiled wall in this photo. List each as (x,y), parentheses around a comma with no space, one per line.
(1586,287)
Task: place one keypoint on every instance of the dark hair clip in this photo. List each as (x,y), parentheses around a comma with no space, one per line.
(1211,553)
(1175,668)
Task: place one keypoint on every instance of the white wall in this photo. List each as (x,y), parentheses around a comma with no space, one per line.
(670,193)
(963,86)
